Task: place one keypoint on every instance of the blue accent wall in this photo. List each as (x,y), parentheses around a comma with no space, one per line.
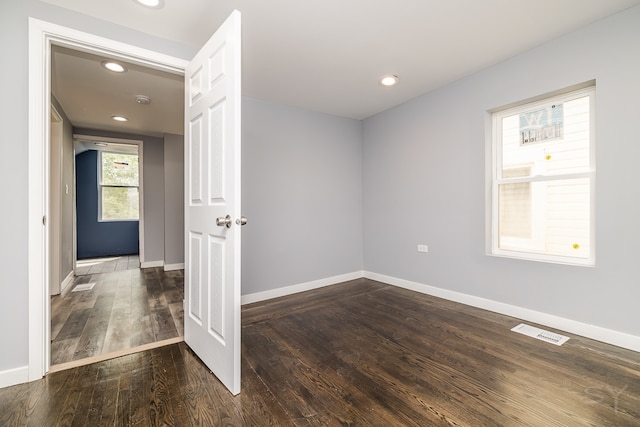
(98,239)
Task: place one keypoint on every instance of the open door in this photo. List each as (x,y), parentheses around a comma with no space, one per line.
(212,212)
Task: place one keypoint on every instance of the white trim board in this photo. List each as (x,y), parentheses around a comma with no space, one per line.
(66,282)
(301,287)
(171,267)
(150,264)
(14,376)
(619,339)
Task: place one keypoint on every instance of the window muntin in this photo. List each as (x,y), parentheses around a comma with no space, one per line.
(119,187)
(543,180)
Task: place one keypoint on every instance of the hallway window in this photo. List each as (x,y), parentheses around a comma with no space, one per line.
(543,179)
(119,192)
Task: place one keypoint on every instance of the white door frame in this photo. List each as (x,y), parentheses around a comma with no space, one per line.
(41,36)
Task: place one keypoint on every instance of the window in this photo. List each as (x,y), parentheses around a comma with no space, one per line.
(119,193)
(543,179)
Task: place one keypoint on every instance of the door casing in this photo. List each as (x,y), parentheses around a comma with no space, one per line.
(42,35)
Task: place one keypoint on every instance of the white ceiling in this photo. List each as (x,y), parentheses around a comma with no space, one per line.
(328,55)
(90,95)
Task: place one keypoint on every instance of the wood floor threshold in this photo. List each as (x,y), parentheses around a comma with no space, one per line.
(114,354)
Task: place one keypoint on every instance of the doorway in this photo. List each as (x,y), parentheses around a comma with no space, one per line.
(40,84)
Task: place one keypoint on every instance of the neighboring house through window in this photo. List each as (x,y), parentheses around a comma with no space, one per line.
(543,179)
(119,192)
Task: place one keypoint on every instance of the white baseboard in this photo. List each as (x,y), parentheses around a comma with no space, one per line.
(170,267)
(151,264)
(14,376)
(294,289)
(67,281)
(619,339)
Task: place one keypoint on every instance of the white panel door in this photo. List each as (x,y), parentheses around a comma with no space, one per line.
(212,192)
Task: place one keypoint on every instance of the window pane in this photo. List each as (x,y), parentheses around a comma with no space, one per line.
(120,203)
(552,139)
(120,169)
(551,217)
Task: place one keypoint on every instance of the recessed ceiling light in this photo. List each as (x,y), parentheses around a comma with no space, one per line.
(114,66)
(155,4)
(119,118)
(389,80)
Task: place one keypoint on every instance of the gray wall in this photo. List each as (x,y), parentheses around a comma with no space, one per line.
(13,227)
(173,199)
(152,187)
(424,164)
(301,193)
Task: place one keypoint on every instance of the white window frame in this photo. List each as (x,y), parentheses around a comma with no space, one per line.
(495,135)
(101,186)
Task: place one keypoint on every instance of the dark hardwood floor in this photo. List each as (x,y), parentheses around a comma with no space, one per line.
(359,353)
(125,308)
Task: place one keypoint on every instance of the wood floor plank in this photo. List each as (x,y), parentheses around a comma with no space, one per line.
(118,333)
(74,325)
(45,401)
(163,324)
(177,315)
(161,405)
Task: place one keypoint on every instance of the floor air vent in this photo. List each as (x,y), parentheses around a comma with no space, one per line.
(84,287)
(540,334)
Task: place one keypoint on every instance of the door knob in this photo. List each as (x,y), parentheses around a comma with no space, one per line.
(242,220)
(224,221)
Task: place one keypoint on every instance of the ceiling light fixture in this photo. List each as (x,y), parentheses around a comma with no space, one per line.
(120,118)
(101,144)
(114,66)
(154,4)
(389,80)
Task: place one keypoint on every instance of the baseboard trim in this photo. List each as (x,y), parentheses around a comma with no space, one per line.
(151,264)
(67,281)
(619,339)
(14,376)
(294,289)
(171,267)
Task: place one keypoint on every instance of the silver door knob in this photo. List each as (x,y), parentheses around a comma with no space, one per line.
(242,220)
(224,221)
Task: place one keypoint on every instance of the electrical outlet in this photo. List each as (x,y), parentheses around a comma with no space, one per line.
(423,248)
